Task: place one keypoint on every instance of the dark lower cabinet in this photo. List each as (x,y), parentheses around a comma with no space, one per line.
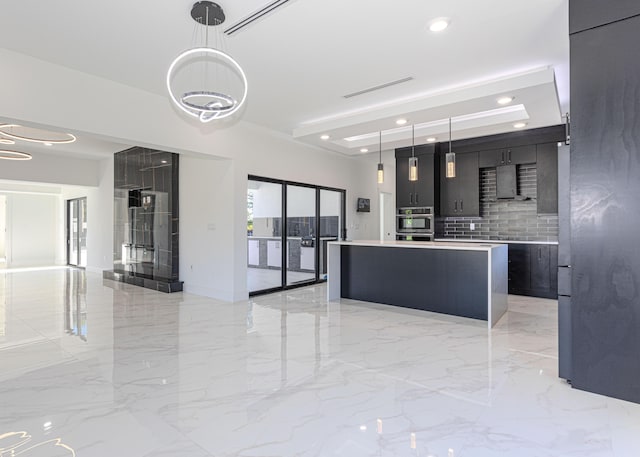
(533,270)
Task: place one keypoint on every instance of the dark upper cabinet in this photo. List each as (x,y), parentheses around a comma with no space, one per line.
(547,178)
(507,156)
(460,196)
(533,270)
(587,14)
(424,191)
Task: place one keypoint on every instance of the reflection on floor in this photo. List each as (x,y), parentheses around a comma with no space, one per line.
(264,278)
(287,374)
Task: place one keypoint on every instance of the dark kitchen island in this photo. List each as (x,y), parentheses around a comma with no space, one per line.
(461,279)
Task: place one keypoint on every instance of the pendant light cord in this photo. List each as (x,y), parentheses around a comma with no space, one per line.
(413,139)
(449,135)
(380,146)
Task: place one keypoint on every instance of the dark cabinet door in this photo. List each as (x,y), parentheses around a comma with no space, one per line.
(490,158)
(553,270)
(547,178)
(423,191)
(404,187)
(468,175)
(519,271)
(539,257)
(533,270)
(520,155)
(460,196)
(507,156)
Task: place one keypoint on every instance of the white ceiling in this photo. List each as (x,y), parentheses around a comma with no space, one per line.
(301,60)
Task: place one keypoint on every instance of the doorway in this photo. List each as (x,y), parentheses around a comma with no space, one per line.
(77,232)
(288,227)
(387,217)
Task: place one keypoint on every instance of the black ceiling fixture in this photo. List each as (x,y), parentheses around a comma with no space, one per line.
(207,13)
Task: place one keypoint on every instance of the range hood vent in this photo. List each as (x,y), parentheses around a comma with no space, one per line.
(507,183)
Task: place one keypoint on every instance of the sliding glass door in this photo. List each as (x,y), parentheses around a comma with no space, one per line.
(77,232)
(264,235)
(301,234)
(331,224)
(288,227)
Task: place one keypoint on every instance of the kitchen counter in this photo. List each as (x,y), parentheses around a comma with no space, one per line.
(449,240)
(462,279)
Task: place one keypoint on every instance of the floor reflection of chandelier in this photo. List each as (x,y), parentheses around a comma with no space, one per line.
(222,80)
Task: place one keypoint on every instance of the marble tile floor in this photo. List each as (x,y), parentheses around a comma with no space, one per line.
(264,278)
(93,368)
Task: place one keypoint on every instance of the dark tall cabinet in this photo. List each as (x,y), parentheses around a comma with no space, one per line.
(460,196)
(424,191)
(605,166)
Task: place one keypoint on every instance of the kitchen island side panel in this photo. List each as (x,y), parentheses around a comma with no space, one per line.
(444,281)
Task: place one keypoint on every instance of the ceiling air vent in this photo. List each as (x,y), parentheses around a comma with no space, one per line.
(381,86)
(268,8)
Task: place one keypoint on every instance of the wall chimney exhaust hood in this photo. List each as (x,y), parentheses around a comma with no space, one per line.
(507,183)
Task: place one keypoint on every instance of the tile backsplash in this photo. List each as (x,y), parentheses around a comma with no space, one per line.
(503,219)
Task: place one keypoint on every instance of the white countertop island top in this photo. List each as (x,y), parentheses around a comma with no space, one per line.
(457,245)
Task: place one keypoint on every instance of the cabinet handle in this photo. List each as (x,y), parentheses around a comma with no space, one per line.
(455,206)
(417,198)
(539,253)
(411,198)
(502,157)
(509,156)
(461,205)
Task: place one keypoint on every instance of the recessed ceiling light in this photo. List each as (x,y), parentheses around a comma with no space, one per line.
(505,100)
(438,25)
(401,121)
(431,140)
(519,125)
(363,150)
(6,141)
(324,137)
(48,144)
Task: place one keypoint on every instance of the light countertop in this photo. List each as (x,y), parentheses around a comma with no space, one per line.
(454,245)
(440,240)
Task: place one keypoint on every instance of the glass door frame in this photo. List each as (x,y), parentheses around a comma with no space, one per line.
(81,202)
(283,232)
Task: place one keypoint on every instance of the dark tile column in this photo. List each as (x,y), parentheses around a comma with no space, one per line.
(146,219)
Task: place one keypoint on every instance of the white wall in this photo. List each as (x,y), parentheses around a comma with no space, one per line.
(33,229)
(3,213)
(99,217)
(43,168)
(212,192)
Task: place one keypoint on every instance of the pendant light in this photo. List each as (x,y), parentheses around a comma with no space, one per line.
(220,82)
(380,165)
(413,160)
(450,158)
